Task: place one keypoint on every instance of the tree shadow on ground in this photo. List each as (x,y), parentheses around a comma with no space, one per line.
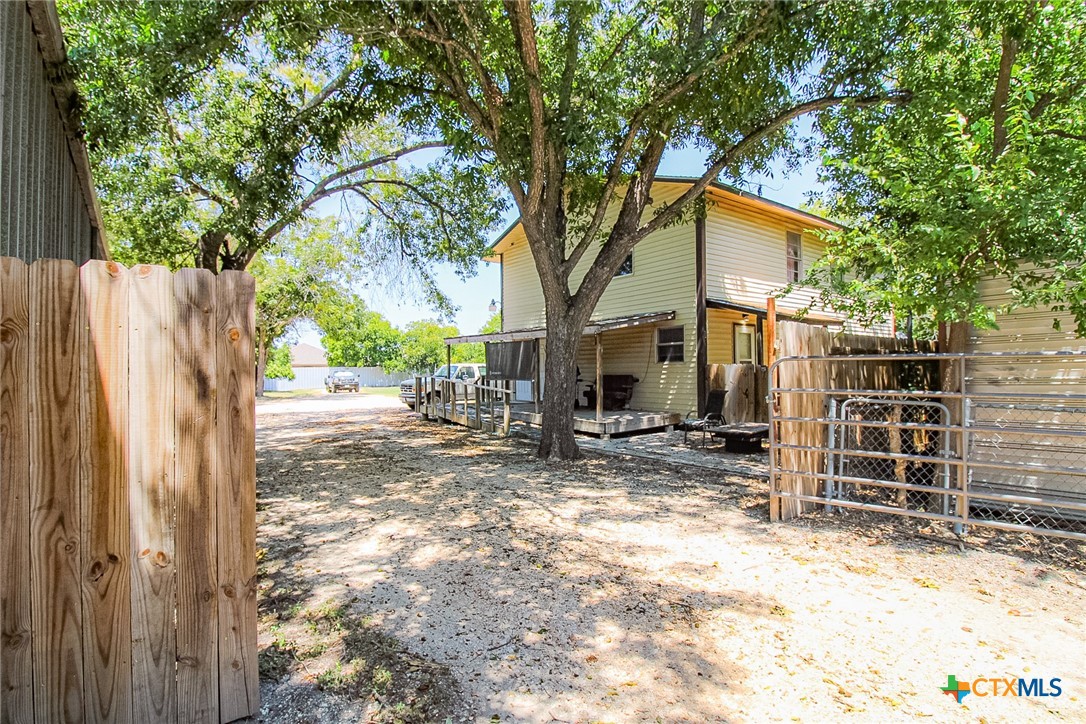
(443,545)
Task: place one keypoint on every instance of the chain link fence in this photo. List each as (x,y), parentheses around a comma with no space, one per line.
(997,440)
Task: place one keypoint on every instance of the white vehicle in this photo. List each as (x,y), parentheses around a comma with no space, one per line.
(341,380)
(461,372)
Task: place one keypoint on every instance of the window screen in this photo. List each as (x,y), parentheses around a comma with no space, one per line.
(669,344)
(795,257)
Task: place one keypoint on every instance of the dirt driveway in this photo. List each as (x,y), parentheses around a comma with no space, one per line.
(418,572)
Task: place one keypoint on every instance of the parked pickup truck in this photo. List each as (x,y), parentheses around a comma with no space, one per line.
(341,380)
(462,372)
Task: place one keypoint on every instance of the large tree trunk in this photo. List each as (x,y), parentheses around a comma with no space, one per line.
(560,376)
(261,364)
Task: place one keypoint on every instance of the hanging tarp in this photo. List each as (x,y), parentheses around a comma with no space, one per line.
(511,360)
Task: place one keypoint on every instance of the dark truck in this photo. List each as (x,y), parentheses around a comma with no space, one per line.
(341,380)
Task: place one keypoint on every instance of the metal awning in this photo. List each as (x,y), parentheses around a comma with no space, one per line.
(603,325)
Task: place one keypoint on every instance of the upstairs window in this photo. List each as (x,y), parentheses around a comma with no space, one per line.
(794,253)
(627,266)
(669,344)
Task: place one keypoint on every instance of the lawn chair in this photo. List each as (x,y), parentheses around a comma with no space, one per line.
(714,416)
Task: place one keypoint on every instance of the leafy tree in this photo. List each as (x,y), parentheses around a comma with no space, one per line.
(422,347)
(357,337)
(279,363)
(576,102)
(214,130)
(311,263)
(982,174)
(492,325)
(476,351)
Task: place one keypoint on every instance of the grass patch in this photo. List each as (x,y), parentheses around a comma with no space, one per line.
(275,661)
(347,654)
(382,391)
(293,394)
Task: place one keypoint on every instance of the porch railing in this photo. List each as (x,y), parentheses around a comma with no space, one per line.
(477,405)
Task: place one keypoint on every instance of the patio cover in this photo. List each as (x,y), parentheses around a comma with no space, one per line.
(603,325)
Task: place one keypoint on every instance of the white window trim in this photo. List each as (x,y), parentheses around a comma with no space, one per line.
(737,327)
(680,344)
(788,257)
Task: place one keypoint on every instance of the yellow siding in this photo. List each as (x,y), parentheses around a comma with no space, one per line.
(721,335)
(670,386)
(664,280)
(745,256)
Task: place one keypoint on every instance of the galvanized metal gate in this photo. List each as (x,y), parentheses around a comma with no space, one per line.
(992,439)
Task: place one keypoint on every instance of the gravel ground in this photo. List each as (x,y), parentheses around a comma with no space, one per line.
(419,572)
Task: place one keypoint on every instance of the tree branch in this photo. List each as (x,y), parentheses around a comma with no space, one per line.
(614,173)
(324,188)
(1064,134)
(523,27)
(754,137)
(1001,94)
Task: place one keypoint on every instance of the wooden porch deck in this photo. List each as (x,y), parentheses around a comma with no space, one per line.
(616,422)
(490,407)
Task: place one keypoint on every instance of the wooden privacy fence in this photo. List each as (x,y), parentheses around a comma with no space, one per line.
(798,339)
(127,494)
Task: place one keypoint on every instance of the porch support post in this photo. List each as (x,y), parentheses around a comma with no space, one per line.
(448,359)
(770,331)
(535,382)
(701,329)
(599,378)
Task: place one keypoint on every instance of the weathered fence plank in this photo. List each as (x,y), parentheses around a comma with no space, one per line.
(126,423)
(56,326)
(197,580)
(152,495)
(16,668)
(105,536)
(235,487)
(798,339)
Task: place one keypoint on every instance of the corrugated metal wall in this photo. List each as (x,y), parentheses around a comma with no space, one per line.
(42,209)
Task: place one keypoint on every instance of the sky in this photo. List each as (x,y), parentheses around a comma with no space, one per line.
(472,297)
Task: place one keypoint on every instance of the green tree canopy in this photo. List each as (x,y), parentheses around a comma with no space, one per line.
(309,267)
(214,128)
(576,102)
(358,337)
(279,363)
(572,104)
(422,347)
(982,174)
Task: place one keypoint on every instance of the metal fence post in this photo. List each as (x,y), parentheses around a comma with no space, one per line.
(963,499)
(831,444)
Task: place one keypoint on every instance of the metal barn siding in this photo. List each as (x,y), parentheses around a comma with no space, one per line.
(47,207)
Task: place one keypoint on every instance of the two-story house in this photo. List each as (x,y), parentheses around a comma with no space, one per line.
(688,297)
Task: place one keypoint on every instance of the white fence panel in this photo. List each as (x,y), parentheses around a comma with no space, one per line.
(312,378)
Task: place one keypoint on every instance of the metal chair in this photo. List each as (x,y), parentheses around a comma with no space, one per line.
(714,416)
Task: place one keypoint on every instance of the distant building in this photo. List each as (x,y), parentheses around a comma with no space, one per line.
(306,355)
